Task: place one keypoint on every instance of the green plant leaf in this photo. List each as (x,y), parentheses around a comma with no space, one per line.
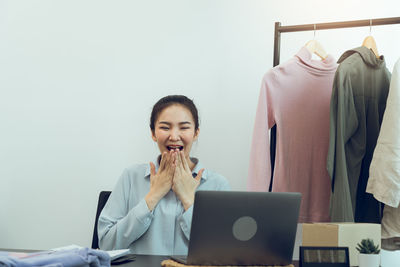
(367,246)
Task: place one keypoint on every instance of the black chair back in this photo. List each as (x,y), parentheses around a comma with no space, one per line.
(103,197)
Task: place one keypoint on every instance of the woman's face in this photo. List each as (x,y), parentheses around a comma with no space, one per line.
(174,129)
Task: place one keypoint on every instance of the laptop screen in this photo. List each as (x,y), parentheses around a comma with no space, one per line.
(243,228)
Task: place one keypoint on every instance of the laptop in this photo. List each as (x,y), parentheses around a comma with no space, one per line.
(242,228)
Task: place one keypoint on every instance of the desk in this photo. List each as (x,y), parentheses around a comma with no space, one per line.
(155,261)
(140,260)
(145,261)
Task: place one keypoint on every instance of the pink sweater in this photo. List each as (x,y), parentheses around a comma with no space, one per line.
(295,96)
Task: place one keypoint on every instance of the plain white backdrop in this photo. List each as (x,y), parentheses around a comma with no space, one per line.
(78,80)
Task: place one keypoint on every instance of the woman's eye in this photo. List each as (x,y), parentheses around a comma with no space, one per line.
(164,128)
(185,128)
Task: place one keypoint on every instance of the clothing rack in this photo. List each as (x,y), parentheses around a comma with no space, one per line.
(313,27)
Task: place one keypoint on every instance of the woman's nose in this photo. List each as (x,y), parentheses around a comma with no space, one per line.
(174,135)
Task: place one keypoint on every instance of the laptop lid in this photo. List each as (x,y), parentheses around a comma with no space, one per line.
(243,228)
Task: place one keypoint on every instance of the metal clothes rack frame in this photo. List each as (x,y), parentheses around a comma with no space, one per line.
(313,27)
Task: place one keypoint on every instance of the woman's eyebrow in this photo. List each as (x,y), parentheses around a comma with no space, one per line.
(180,123)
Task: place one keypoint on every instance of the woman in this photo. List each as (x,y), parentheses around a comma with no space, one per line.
(150,208)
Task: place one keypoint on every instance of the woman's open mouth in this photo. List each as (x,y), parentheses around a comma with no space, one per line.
(174,147)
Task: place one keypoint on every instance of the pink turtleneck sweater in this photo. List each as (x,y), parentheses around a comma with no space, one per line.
(296,97)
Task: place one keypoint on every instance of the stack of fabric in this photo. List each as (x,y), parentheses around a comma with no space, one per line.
(83,257)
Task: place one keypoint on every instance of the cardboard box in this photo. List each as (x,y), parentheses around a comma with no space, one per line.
(341,235)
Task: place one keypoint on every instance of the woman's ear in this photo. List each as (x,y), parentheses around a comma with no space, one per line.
(196,134)
(153,135)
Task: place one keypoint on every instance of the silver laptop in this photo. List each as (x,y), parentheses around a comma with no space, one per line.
(242,228)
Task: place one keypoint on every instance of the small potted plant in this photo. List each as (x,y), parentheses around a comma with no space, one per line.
(369,253)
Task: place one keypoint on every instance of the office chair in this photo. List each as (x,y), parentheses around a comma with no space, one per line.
(103,197)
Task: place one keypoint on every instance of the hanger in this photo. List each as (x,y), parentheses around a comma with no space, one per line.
(315,47)
(369,41)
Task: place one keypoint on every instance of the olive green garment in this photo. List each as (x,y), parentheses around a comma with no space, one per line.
(359,93)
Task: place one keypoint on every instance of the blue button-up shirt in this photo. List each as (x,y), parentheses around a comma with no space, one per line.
(127,222)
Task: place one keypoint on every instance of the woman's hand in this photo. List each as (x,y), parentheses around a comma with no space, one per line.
(184,185)
(161,182)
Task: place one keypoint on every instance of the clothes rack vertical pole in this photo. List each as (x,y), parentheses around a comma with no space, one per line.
(311,27)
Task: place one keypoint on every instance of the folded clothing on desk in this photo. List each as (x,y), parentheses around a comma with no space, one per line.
(83,257)
(172,263)
(114,254)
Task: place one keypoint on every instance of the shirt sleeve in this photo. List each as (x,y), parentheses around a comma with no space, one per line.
(185,221)
(224,186)
(118,226)
(259,173)
(343,124)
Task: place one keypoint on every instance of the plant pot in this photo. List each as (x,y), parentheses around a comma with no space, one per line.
(369,260)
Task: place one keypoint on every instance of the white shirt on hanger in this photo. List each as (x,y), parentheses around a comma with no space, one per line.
(384,180)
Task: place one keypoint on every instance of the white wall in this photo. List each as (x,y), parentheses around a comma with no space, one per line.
(78,80)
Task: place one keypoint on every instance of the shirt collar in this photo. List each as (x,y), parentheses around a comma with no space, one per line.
(327,64)
(367,56)
(195,170)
